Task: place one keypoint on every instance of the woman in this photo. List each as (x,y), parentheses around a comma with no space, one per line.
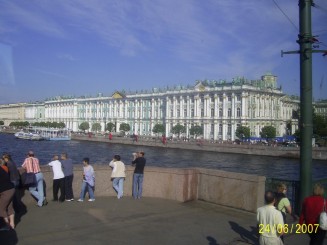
(7,191)
(118,175)
(282,202)
(19,207)
(311,208)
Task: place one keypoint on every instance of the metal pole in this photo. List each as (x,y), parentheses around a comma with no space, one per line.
(305,42)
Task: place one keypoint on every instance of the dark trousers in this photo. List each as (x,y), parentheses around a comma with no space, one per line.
(317,238)
(69,187)
(59,184)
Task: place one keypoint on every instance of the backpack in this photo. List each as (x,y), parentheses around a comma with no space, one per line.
(323,218)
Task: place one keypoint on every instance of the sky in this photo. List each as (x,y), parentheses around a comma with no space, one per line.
(82,48)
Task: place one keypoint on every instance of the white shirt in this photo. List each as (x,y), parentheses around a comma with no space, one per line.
(270,221)
(57,170)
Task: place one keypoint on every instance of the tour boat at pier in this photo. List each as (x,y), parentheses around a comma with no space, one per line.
(54,133)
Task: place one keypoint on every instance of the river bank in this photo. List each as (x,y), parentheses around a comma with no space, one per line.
(318,153)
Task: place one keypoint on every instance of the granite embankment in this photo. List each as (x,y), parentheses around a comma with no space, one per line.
(318,153)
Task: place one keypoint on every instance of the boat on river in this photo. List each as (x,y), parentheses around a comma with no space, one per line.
(54,134)
(28,136)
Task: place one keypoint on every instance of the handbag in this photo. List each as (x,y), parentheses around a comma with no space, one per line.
(29,179)
(323,218)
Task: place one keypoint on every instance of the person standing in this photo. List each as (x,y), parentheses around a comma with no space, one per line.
(312,206)
(67,167)
(31,165)
(14,178)
(118,175)
(7,192)
(58,179)
(270,222)
(88,181)
(139,163)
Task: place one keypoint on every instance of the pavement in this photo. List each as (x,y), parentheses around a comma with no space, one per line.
(144,221)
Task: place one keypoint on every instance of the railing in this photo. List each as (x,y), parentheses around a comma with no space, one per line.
(293,190)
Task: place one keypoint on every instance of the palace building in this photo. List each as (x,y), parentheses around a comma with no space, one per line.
(217,106)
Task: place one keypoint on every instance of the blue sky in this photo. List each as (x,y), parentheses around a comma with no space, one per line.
(82,47)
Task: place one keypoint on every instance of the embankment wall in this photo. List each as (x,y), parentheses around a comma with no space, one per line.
(236,190)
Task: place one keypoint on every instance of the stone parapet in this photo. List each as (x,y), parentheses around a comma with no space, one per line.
(241,191)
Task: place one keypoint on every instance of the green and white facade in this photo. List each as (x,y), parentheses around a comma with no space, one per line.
(218,106)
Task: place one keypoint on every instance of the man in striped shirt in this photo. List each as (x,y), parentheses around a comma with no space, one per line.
(31,165)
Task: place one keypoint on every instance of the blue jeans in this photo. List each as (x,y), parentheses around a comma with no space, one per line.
(137,185)
(118,185)
(37,191)
(89,189)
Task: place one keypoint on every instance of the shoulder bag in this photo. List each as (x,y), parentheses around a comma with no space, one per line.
(323,218)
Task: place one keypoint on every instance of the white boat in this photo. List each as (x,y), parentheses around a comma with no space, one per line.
(28,136)
(54,133)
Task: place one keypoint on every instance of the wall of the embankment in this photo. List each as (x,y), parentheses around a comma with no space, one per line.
(236,190)
(318,153)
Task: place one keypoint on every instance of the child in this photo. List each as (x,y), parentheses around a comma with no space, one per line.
(88,181)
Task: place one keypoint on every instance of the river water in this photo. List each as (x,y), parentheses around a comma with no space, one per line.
(102,153)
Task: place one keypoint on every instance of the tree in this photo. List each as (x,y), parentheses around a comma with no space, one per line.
(158,128)
(319,125)
(178,129)
(2,123)
(110,126)
(196,130)
(84,126)
(96,127)
(268,132)
(242,132)
(124,127)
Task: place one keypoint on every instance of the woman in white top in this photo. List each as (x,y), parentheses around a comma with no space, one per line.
(118,175)
(58,179)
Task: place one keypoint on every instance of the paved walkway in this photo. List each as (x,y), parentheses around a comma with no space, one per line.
(133,222)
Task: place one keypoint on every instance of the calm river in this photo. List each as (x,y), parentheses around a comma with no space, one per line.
(102,153)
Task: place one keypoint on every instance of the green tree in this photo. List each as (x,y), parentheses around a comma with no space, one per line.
(319,125)
(110,126)
(196,130)
(61,125)
(84,126)
(96,127)
(268,132)
(2,123)
(158,129)
(124,127)
(242,132)
(178,129)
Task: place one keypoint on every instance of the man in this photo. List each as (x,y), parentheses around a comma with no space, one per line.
(270,222)
(31,165)
(58,179)
(139,162)
(67,167)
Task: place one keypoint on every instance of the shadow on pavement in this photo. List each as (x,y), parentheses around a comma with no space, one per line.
(246,236)
(212,241)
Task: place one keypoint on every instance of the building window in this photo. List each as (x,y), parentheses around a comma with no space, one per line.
(229,112)
(238,112)
(202,112)
(212,112)
(221,113)
(192,113)
(185,113)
